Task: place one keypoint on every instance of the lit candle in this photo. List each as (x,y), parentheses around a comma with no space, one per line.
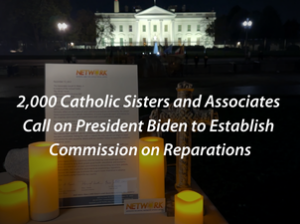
(14,203)
(43,182)
(151,168)
(188,208)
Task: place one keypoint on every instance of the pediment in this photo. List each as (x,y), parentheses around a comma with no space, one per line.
(155,11)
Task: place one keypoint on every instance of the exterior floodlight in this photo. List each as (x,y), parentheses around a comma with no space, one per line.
(62,26)
(72,44)
(247,23)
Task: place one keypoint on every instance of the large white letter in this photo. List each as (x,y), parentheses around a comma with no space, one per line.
(185,151)
(213,125)
(24,125)
(151,125)
(80,124)
(51,148)
(62,101)
(168,148)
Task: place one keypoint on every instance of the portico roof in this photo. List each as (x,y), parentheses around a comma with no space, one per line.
(155,12)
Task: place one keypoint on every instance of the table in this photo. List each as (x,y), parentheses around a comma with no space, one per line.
(115,213)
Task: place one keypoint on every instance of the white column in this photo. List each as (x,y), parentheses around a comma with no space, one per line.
(137,41)
(148,31)
(173,31)
(161,31)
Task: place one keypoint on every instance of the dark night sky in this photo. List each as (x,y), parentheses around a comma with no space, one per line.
(288,9)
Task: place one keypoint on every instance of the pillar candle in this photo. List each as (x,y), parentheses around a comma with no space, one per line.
(151,169)
(43,182)
(188,208)
(14,203)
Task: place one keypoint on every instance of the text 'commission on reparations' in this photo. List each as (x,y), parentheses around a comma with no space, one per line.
(117,150)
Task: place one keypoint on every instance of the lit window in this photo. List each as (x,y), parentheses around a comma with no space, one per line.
(179,41)
(179,28)
(130,41)
(130,28)
(189,28)
(121,28)
(154,28)
(189,41)
(112,41)
(198,27)
(144,41)
(144,28)
(121,41)
(198,40)
(166,28)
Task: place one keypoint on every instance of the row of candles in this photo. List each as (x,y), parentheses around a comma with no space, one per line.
(43,190)
(44,195)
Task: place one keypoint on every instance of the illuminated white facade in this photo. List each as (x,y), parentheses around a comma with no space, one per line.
(167,27)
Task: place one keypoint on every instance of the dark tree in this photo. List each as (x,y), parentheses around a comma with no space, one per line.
(233,11)
(33,20)
(291,29)
(270,24)
(236,17)
(210,29)
(221,29)
(85,26)
(255,17)
(63,6)
(8,20)
(104,28)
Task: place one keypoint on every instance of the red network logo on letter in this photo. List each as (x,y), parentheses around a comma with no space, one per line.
(91,73)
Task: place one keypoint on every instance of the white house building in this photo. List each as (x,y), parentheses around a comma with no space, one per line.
(167,27)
